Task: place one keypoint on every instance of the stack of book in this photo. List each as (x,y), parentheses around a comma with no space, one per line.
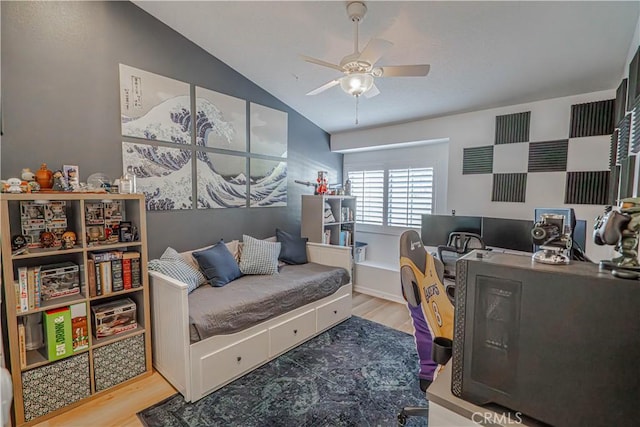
(113,271)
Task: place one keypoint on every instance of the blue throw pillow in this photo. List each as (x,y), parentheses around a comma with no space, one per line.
(218,264)
(294,248)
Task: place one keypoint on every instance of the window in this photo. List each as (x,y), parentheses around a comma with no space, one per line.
(410,194)
(368,187)
(395,197)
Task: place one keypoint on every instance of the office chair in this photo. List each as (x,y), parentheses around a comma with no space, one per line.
(459,243)
(421,277)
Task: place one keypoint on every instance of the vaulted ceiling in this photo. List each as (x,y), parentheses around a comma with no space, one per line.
(482,54)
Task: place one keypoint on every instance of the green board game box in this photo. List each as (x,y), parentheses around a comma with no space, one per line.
(57,331)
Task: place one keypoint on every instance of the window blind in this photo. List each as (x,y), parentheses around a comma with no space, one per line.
(368,187)
(410,194)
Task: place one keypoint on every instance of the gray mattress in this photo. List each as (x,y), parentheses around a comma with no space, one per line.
(250,300)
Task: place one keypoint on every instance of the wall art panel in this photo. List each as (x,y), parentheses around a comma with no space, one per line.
(154,107)
(163,175)
(269,131)
(268,183)
(221,121)
(222,180)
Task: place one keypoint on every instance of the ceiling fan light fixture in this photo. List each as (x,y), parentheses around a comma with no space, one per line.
(356,84)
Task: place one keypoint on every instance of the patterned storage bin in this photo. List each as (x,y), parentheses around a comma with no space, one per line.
(118,362)
(54,386)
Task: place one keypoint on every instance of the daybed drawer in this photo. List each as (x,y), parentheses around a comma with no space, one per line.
(230,362)
(293,331)
(333,312)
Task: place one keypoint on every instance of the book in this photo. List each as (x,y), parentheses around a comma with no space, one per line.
(126,272)
(22,342)
(37,287)
(79,327)
(105,277)
(116,275)
(57,332)
(31,287)
(105,256)
(91,277)
(136,279)
(99,290)
(22,280)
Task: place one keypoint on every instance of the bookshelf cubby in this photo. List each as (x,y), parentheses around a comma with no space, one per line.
(338,228)
(43,388)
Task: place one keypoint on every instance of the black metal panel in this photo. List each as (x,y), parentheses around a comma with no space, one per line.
(512,128)
(627,171)
(592,118)
(621,102)
(614,185)
(613,150)
(477,160)
(635,129)
(633,93)
(587,188)
(623,139)
(548,156)
(509,187)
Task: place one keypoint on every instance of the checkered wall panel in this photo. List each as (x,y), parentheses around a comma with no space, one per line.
(581,162)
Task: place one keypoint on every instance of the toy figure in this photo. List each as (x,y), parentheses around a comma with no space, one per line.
(60,182)
(323,182)
(14,185)
(621,229)
(47,239)
(68,240)
(18,242)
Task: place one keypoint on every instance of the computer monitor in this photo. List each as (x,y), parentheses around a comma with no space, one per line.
(580,234)
(436,228)
(514,234)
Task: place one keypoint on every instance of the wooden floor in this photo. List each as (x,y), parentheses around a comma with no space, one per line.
(118,409)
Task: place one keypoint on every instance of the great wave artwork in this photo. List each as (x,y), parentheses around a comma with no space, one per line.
(268,183)
(163,175)
(221,121)
(222,180)
(154,107)
(269,131)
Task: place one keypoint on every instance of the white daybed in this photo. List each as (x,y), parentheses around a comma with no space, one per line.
(196,369)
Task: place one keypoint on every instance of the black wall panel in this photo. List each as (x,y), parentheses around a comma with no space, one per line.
(592,118)
(587,188)
(548,156)
(512,128)
(477,160)
(509,187)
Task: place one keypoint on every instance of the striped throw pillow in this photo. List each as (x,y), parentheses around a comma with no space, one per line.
(173,265)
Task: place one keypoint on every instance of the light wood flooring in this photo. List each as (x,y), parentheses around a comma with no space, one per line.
(119,408)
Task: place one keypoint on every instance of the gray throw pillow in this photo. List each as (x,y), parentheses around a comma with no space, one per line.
(173,265)
(218,264)
(259,256)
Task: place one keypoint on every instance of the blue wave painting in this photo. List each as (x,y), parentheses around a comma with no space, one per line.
(222,181)
(268,183)
(163,175)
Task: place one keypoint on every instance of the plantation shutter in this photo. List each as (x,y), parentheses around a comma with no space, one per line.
(368,187)
(410,194)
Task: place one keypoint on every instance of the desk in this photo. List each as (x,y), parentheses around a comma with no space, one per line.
(447,410)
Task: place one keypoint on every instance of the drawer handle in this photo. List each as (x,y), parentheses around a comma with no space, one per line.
(295,331)
(335,311)
(239,359)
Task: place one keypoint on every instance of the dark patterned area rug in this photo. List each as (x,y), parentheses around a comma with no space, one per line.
(359,373)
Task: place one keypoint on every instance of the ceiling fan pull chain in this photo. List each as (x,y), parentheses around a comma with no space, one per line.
(357,102)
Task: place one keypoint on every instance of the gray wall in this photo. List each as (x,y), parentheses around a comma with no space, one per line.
(61,106)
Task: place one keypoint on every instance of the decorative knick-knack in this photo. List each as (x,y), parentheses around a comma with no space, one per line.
(44,177)
(27,175)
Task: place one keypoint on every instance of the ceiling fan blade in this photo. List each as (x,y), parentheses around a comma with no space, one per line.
(324,87)
(403,71)
(374,50)
(321,62)
(372,92)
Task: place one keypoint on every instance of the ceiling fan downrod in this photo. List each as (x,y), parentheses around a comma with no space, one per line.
(356,11)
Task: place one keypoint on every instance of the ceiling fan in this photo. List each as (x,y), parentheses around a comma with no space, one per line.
(359,67)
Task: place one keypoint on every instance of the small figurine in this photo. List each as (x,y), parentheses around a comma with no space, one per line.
(18,242)
(34,186)
(44,177)
(59,181)
(47,239)
(323,182)
(68,240)
(27,175)
(14,185)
